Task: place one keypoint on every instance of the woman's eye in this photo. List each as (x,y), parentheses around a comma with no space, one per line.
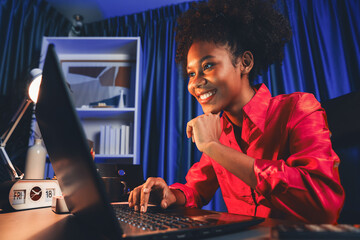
(191,74)
(207,66)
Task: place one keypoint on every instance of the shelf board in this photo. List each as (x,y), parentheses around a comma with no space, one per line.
(124,159)
(114,156)
(103,112)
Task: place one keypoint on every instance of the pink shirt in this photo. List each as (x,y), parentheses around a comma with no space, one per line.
(295,166)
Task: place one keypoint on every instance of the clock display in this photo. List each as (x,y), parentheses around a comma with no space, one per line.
(35,193)
(30,193)
(19,197)
(49,193)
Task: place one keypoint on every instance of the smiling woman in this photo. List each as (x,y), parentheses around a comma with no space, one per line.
(215,82)
(271,156)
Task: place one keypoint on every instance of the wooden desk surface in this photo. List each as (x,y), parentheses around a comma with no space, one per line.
(28,223)
(43,223)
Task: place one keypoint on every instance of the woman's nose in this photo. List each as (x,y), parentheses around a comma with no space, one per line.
(197,82)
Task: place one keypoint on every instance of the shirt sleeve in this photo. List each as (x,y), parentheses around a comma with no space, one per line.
(201,183)
(306,185)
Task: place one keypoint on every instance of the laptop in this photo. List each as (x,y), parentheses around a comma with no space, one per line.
(82,186)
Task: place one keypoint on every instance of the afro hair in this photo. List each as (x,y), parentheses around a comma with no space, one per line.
(242,25)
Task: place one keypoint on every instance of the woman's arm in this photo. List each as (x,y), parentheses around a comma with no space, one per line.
(306,185)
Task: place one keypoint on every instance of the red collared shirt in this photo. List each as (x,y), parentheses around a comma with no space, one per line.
(295,165)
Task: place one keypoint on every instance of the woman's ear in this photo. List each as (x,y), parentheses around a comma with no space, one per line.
(247,62)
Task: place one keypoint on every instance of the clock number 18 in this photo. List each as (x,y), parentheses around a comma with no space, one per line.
(50,192)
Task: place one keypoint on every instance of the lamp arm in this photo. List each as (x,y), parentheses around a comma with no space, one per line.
(5,137)
(7,160)
(14,121)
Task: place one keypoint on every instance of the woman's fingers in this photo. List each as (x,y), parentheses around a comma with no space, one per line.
(153,188)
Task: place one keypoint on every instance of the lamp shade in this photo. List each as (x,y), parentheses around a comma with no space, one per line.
(33,91)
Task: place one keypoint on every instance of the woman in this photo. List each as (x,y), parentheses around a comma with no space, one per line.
(271,156)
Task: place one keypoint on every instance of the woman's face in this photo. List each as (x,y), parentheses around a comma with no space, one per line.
(213,79)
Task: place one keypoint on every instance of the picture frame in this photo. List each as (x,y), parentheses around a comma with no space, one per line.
(99,83)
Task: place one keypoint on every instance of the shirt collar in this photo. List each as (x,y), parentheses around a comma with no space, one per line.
(256,108)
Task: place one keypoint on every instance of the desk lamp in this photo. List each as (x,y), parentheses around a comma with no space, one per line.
(33,92)
(25,194)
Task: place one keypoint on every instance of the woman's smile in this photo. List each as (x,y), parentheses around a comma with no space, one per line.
(204,97)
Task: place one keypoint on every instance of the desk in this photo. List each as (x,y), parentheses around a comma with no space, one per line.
(43,223)
(30,224)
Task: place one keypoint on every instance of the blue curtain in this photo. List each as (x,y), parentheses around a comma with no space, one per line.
(23,23)
(323,55)
(323,58)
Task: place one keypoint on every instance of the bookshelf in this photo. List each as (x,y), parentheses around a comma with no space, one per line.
(103,75)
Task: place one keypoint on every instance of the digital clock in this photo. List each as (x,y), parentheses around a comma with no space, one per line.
(28,194)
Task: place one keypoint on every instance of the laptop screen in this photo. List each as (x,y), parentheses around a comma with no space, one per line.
(69,152)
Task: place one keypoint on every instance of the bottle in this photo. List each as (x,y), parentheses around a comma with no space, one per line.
(35,161)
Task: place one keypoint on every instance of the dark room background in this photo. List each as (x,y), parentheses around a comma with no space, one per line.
(322,58)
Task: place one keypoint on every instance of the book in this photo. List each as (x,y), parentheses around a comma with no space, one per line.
(123,139)
(117,140)
(107,139)
(112,141)
(102,140)
(127,139)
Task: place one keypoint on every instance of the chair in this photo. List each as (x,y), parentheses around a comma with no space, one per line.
(343,114)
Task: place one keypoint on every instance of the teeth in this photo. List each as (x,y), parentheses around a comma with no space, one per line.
(206,95)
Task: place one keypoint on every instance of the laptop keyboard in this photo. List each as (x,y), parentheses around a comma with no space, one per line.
(153,220)
(316,231)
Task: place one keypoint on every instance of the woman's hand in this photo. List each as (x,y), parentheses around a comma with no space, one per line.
(154,190)
(204,129)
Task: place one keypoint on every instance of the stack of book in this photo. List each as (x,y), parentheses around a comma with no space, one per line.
(114,140)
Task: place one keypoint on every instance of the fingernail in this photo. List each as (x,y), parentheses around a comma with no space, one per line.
(142,209)
(164,204)
(136,208)
(146,190)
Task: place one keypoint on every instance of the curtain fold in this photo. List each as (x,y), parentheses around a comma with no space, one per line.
(23,23)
